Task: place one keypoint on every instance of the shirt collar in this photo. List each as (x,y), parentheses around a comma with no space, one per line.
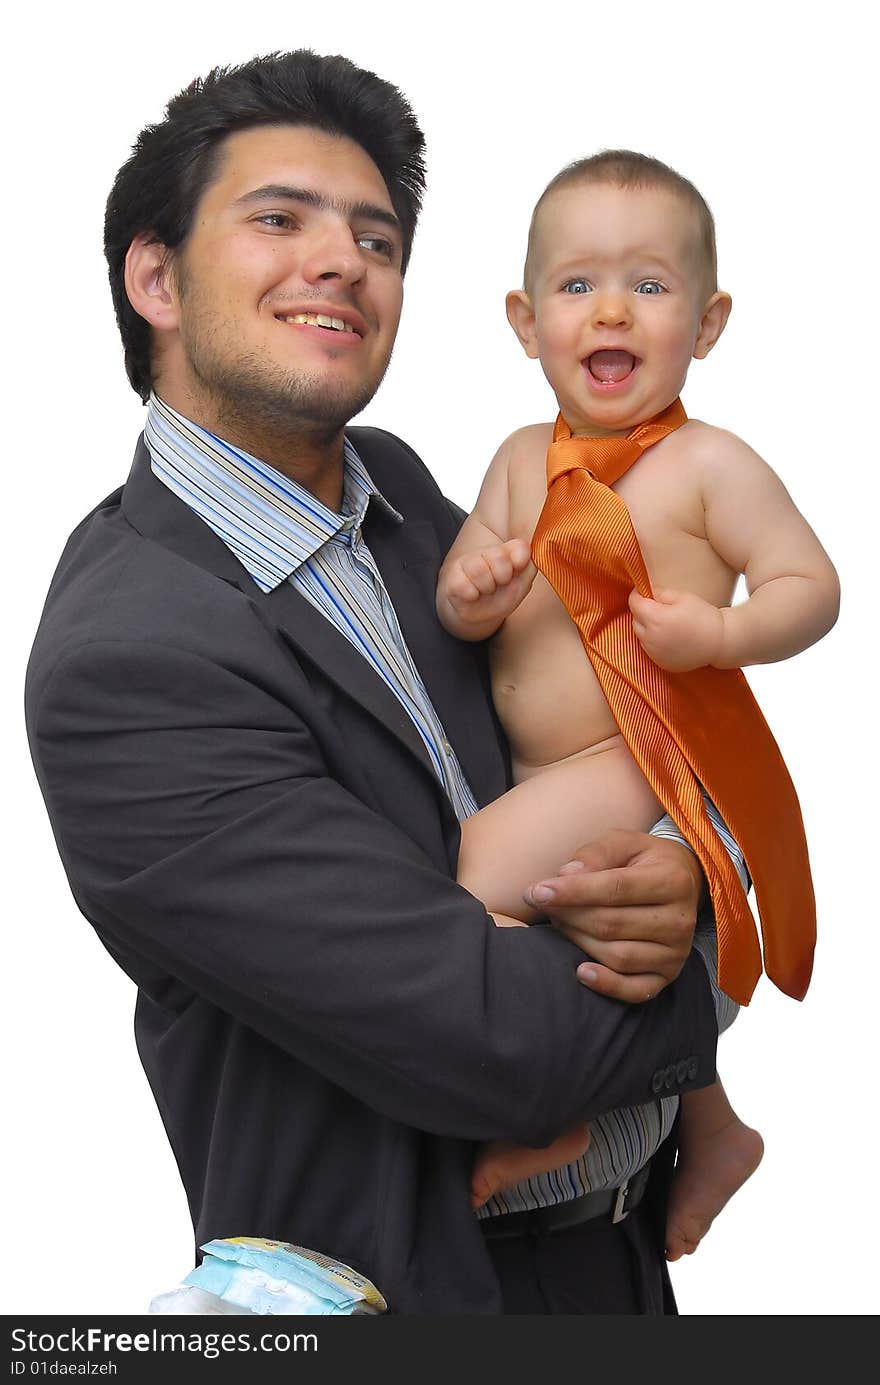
(273,524)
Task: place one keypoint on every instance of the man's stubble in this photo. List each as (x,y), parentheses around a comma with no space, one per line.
(245,393)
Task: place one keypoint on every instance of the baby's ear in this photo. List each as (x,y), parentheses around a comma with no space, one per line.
(521,316)
(712,323)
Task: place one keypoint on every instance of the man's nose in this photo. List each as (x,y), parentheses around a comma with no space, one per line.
(611,308)
(331,252)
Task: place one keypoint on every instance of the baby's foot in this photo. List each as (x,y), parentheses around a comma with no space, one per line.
(709,1171)
(502,1164)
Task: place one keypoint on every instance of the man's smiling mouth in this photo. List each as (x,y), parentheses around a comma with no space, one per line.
(335,324)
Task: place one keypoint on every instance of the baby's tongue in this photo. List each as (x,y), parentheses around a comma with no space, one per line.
(611,366)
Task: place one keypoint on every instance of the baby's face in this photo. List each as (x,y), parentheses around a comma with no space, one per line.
(616,298)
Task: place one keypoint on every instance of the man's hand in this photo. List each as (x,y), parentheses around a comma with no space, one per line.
(678,630)
(486,586)
(630,901)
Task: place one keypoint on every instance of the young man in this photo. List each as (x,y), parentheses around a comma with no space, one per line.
(243,712)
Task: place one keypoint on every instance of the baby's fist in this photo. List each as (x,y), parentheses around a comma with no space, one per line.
(678,630)
(481,589)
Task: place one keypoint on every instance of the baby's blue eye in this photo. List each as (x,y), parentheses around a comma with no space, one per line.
(650,286)
(576,286)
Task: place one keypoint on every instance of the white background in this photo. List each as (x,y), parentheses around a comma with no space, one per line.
(765,107)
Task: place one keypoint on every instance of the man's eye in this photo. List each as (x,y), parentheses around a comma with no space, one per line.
(277,220)
(576,286)
(650,286)
(378,245)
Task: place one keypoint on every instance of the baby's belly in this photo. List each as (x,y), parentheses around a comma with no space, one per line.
(546,693)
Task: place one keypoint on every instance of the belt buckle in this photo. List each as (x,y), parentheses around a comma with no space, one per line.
(620,1211)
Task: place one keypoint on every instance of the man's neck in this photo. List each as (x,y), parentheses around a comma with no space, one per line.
(313,457)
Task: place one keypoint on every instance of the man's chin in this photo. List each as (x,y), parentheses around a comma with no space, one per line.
(268,409)
(250,400)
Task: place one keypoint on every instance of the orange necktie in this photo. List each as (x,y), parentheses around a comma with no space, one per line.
(684,729)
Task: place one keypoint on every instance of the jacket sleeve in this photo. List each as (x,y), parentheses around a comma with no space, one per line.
(202,831)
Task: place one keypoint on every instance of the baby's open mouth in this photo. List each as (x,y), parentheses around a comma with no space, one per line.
(610,367)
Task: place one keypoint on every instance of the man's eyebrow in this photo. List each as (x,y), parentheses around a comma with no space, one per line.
(283,192)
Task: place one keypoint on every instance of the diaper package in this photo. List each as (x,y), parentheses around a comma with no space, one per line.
(250,1274)
(186,1302)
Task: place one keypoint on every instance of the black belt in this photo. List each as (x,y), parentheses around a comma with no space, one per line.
(612,1204)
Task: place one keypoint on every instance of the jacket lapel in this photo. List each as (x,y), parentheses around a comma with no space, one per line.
(337,659)
(156,513)
(454,672)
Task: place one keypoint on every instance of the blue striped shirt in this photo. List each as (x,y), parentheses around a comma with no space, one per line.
(280,532)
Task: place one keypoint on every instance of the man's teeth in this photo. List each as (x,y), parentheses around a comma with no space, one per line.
(320,320)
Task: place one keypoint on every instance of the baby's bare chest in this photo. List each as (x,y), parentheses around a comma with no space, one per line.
(663,498)
(545,689)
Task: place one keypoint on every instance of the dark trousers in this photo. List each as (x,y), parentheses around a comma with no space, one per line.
(597,1267)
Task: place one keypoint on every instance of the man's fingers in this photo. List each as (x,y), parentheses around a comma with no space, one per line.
(632,886)
(608,933)
(619,870)
(632,958)
(615,848)
(635,990)
(629,902)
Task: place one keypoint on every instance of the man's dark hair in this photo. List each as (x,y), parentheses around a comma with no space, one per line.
(158,189)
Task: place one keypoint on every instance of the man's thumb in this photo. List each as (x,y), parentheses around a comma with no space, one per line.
(608,852)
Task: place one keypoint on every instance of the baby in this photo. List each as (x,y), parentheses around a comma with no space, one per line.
(619,295)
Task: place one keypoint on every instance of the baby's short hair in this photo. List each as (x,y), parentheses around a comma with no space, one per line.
(624,168)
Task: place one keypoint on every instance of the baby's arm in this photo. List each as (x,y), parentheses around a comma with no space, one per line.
(487,571)
(753,524)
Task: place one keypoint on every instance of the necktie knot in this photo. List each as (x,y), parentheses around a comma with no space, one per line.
(606,459)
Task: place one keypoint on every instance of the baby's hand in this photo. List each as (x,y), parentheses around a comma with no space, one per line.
(678,630)
(483,588)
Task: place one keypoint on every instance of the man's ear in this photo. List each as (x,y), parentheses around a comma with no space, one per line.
(521,316)
(149,283)
(712,323)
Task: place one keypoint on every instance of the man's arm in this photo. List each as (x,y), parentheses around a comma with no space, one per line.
(203,831)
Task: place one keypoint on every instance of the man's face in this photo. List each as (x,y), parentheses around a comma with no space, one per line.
(296,229)
(617,294)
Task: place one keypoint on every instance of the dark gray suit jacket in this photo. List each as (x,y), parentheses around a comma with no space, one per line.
(249,820)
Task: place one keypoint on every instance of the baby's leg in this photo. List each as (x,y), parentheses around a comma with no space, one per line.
(523,837)
(716,1154)
(528,833)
